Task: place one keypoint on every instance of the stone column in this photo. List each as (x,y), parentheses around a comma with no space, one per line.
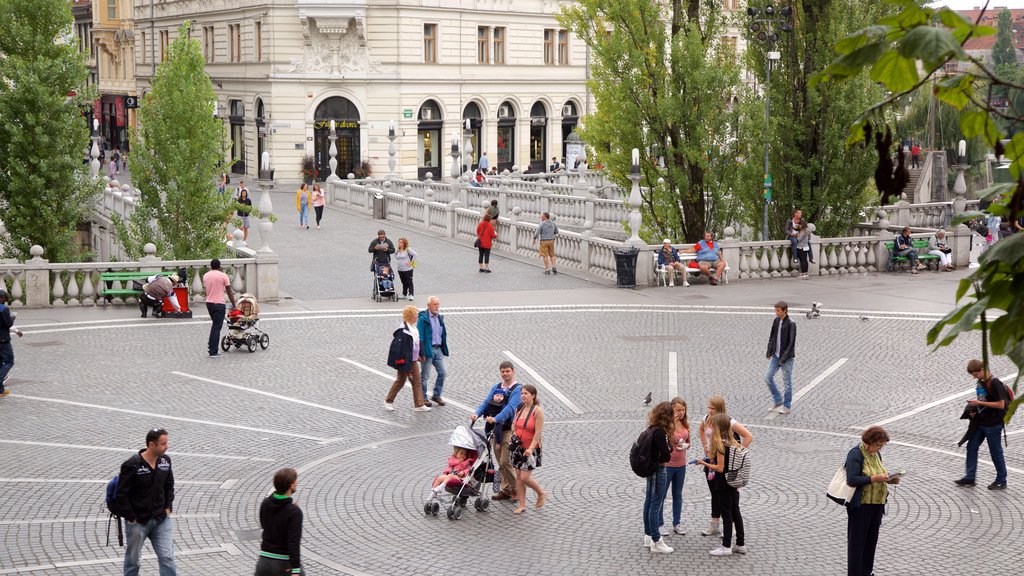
(731,253)
(37,279)
(266,208)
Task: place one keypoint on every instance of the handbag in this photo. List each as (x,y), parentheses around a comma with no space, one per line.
(838,490)
(476,243)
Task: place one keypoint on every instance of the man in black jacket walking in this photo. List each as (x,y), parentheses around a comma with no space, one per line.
(781,350)
(281,521)
(6,350)
(145,499)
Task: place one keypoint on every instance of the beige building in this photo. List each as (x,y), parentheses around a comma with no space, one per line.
(113,45)
(283,70)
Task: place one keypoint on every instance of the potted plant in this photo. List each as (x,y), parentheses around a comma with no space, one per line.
(309,170)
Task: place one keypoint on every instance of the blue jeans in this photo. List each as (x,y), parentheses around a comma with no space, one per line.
(304,214)
(675,478)
(991,434)
(654,502)
(437,361)
(6,361)
(217,313)
(787,379)
(160,534)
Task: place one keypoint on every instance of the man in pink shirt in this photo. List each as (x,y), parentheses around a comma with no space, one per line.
(216,284)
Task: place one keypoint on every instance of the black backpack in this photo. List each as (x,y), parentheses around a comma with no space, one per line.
(640,454)
(114,517)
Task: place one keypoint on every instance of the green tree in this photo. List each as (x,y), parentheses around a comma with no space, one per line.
(1002,51)
(45,191)
(664,84)
(175,154)
(894,49)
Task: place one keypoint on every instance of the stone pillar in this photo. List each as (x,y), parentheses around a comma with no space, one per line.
(266,208)
(959,238)
(814,267)
(903,213)
(883,234)
(37,279)
(731,253)
(266,276)
(150,262)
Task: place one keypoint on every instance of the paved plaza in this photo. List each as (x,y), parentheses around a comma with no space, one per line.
(88,384)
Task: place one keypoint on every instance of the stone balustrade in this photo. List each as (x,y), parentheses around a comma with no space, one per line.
(929,215)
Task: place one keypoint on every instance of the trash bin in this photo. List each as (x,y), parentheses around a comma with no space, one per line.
(378,206)
(625,267)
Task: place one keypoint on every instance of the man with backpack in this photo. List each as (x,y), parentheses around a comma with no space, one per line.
(986,412)
(145,498)
(502,401)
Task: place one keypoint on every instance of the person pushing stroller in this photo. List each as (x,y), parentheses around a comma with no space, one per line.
(382,249)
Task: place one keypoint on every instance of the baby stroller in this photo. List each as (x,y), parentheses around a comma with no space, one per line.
(383,282)
(244,326)
(476,483)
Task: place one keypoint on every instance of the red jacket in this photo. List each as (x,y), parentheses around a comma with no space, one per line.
(485,232)
(457,467)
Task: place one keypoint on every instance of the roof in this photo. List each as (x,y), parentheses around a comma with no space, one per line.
(991,18)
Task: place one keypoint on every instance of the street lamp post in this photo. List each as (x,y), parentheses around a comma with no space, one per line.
(456,170)
(762,24)
(94,153)
(469,148)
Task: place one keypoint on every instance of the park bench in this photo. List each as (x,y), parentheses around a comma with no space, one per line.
(126,278)
(688,259)
(901,262)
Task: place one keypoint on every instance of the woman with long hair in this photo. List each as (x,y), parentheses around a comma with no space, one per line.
(318,203)
(302,200)
(405,263)
(727,498)
(660,424)
(243,200)
(675,470)
(526,452)
(716,405)
(485,235)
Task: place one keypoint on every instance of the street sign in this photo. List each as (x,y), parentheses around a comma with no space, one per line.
(768,181)
(407,113)
(131,102)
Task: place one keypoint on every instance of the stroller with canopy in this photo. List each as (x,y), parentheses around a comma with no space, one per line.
(475,484)
(244,326)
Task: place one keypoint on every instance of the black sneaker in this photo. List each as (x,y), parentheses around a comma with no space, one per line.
(427,403)
(997,486)
(964,482)
(554,271)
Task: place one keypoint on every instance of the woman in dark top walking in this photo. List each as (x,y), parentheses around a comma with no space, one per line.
(662,424)
(281,521)
(244,200)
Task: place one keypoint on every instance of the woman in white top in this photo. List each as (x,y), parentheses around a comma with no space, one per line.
(716,405)
(405,262)
(937,247)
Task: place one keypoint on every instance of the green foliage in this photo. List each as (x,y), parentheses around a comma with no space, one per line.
(663,84)
(1003,53)
(45,191)
(174,161)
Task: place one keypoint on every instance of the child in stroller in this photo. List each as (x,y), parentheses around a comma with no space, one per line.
(244,326)
(383,282)
(459,465)
(467,475)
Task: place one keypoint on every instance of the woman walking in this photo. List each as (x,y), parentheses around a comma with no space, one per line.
(318,203)
(865,472)
(281,521)
(243,200)
(716,405)
(728,498)
(675,470)
(406,361)
(302,200)
(405,262)
(526,445)
(661,425)
(485,236)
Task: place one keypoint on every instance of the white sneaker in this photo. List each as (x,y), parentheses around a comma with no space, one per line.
(410,297)
(661,547)
(678,529)
(739,549)
(721,551)
(647,541)
(421,409)
(712,529)
(389,406)
(783,410)
(665,531)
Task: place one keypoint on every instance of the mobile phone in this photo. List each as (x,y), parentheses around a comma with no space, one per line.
(899,474)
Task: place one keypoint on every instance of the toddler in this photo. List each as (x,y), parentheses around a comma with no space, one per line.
(459,464)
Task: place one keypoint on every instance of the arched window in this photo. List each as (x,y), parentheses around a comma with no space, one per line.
(430,145)
(538,136)
(570,119)
(506,136)
(472,113)
(236,118)
(346,123)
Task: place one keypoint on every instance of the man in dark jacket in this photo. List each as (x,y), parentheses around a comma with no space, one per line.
(6,350)
(145,499)
(781,350)
(381,248)
(281,521)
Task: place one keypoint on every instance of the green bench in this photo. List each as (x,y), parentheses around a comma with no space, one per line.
(125,276)
(901,262)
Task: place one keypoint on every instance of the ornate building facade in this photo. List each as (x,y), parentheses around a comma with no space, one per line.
(113,48)
(283,70)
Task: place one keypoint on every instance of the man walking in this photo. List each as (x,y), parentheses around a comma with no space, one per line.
(216,284)
(503,400)
(145,499)
(433,349)
(484,165)
(781,351)
(987,412)
(6,349)
(546,232)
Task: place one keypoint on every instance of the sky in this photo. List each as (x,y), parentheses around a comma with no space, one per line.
(970,4)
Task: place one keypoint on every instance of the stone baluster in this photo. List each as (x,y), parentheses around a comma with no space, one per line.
(870,257)
(198,295)
(266,208)
(744,263)
(861,250)
(773,262)
(88,289)
(755,263)
(237,282)
(16,292)
(842,248)
(765,263)
(73,288)
(833,259)
(58,289)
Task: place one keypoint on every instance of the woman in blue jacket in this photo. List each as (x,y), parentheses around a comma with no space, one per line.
(865,472)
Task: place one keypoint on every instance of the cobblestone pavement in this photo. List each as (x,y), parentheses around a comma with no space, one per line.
(88,384)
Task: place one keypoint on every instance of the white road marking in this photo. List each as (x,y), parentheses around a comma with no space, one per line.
(229,484)
(132,450)
(332,564)
(166,417)
(76,563)
(87,519)
(391,378)
(673,376)
(288,399)
(920,409)
(817,380)
(540,380)
(100,481)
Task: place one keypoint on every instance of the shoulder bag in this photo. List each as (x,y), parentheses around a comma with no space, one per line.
(838,490)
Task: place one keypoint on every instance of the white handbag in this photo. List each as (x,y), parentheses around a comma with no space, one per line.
(838,489)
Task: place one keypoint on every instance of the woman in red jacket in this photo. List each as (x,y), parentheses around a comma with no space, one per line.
(485,236)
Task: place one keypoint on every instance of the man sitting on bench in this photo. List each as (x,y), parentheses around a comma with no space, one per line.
(668,257)
(154,292)
(709,256)
(904,246)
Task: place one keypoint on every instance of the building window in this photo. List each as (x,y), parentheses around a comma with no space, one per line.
(549,46)
(235,47)
(142,48)
(563,47)
(483,45)
(237,120)
(112,9)
(729,47)
(165,42)
(208,43)
(430,43)
(499,45)
(258,34)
